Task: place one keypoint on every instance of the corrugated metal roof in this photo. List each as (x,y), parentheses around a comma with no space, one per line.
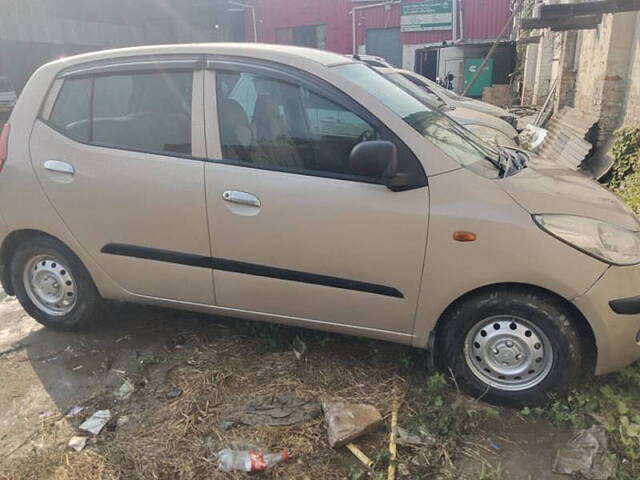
(566,138)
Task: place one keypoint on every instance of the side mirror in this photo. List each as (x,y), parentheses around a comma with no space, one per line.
(377,159)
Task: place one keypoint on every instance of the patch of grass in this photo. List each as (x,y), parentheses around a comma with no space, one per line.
(489,472)
(445,413)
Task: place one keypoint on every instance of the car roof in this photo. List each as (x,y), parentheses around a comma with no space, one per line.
(263,51)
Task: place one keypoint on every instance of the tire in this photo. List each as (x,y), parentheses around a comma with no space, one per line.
(510,347)
(58,291)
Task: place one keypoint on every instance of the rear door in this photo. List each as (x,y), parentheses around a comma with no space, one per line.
(118,152)
(295,232)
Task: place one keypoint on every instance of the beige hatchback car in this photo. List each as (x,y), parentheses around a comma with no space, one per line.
(298,186)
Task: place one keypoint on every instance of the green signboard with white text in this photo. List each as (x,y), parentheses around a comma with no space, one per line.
(427,16)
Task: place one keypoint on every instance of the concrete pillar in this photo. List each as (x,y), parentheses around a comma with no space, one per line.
(619,31)
(529,73)
(566,87)
(544,64)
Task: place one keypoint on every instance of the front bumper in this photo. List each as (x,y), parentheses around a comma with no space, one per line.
(612,308)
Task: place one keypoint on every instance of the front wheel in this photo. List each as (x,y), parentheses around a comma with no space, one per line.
(510,346)
(52,285)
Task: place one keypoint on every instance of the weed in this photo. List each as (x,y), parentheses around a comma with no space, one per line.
(406,361)
(445,413)
(489,472)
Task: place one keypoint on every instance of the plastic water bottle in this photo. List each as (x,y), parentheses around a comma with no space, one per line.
(248,460)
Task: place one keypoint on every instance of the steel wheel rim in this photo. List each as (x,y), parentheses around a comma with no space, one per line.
(508,353)
(50,285)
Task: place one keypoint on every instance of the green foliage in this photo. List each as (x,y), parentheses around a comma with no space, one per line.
(436,384)
(447,414)
(625,153)
(629,191)
(625,174)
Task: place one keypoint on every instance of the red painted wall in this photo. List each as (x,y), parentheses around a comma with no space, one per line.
(483,19)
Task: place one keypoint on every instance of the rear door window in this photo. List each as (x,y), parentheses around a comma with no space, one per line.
(149,112)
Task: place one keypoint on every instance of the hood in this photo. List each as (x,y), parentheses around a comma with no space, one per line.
(485,107)
(544,187)
(466,116)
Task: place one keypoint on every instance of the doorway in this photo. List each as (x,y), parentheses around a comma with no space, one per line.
(385,43)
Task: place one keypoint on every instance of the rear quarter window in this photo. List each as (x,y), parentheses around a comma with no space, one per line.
(70,114)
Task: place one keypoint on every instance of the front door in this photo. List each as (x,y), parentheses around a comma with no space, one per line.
(116,156)
(294,231)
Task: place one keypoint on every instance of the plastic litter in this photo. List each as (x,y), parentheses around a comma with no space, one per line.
(174,393)
(96,422)
(585,454)
(125,390)
(532,137)
(424,439)
(275,410)
(299,347)
(78,443)
(248,460)
(75,410)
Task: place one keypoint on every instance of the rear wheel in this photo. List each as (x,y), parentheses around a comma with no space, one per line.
(52,284)
(511,346)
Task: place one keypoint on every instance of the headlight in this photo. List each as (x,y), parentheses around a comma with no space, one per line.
(610,243)
(491,135)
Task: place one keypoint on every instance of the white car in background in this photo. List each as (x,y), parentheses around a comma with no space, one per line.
(488,127)
(8,95)
(371,60)
(452,99)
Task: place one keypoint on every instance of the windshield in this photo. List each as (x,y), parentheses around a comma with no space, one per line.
(441,130)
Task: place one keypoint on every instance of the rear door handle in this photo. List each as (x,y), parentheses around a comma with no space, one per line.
(59,166)
(242,198)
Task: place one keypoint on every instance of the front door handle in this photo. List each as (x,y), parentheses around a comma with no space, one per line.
(242,198)
(59,166)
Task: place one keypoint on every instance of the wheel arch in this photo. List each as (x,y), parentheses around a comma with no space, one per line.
(583,326)
(8,248)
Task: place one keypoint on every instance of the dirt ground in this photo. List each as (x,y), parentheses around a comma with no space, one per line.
(217,362)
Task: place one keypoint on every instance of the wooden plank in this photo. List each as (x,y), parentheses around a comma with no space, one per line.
(528,40)
(588,8)
(562,23)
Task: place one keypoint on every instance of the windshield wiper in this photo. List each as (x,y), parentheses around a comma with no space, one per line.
(511,158)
